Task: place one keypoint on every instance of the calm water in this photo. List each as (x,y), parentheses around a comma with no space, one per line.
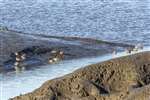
(113,20)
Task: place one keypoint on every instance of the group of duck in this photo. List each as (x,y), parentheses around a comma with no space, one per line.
(55,56)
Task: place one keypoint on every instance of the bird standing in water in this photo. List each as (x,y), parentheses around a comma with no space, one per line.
(57,56)
(114,52)
(23,56)
(53,52)
(18,56)
(50,61)
(18,63)
(129,50)
(139,46)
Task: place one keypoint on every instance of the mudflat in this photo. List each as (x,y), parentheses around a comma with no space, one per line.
(125,78)
(38,48)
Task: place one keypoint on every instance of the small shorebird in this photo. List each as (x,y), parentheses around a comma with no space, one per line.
(50,61)
(16,53)
(17,63)
(23,56)
(61,52)
(18,56)
(114,52)
(129,50)
(53,60)
(61,55)
(19,59)
(56,59)
(58,55)
(17,66)
(138,47)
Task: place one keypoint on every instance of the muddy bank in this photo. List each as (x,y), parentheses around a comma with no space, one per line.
(38,48)
(125,78)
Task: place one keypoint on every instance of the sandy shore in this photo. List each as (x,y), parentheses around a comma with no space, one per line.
(125,78)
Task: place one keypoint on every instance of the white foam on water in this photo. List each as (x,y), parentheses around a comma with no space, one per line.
(13,84)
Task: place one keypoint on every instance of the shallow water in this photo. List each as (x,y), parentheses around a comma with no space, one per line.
(13,84)
(114,20)
(126,21)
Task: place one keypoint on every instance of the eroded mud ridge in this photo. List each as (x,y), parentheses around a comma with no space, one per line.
(125,78)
